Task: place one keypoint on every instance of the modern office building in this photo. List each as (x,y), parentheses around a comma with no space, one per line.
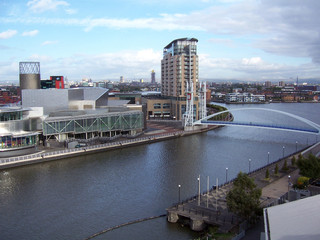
(268,84)
(29,75)
(180,76)
(16,132)
(182,96)
(54,82)
(53,100)
(82,114)
(244,98)
(282,84)
(153,77)
(86,125)
(58,81)
(180,60)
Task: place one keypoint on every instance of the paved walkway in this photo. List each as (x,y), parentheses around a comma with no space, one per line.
(281,186)
(212,208)
(271,192)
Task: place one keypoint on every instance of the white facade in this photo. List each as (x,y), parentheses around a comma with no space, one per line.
(244,98)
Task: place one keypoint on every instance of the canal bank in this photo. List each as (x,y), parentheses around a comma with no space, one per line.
(210,208)
(51,155)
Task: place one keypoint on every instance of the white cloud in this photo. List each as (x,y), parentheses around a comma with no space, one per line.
(286,28)
(49,43)
(278,27)
(45,5)
(71,11)
(163,22)
(252,61)
(131,64)
(254,68)
(30,33)
(223,41)
(40,58)
(8,34)
(9,70)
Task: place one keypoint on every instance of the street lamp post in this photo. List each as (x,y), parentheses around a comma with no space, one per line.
(289,177)
(208,191)
(199,190)
(226,175)
(217,186)
(283,151)
(179,186)
(296,146)
(268,157)
(249,165)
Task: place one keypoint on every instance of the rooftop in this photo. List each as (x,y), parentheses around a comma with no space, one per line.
(295,220)
(181,39)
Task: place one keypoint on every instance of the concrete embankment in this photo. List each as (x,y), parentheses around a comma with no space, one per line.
(46,156)
(68,153)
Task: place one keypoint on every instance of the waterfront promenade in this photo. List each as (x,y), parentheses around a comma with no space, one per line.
(154,132)
(210,208)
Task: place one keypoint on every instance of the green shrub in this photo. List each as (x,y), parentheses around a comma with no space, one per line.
(285,166)
(276,169)
(267,174)
(302,182)
(293,161)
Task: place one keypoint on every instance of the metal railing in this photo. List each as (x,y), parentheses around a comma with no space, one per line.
(43,155)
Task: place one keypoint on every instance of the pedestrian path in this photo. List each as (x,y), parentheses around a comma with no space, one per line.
(210,208)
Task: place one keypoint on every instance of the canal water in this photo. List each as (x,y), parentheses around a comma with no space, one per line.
(78,197)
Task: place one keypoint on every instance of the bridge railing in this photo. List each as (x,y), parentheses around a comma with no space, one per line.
(211,214)
(311,124)
(262,125)
(305,150)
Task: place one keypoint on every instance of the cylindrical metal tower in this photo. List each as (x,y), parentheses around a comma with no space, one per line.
(29,74)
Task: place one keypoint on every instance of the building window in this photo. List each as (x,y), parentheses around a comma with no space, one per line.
(157,106)
(166,105)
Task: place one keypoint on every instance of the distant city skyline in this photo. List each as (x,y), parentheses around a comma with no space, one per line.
(256,40)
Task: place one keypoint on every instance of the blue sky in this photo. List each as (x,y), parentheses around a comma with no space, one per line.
(104,39)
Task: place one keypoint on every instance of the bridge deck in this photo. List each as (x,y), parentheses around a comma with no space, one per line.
(261,125)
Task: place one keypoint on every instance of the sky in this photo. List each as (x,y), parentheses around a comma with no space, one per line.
(253,40)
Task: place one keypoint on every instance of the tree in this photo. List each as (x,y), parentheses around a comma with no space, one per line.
(293,161)
(267,174)
(302,182)
(244,198)
(276,169)
(309,167)
(285,166)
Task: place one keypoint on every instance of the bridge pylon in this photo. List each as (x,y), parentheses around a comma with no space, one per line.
(202,100)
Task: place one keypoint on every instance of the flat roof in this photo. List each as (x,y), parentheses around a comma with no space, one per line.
(12,109)
(91,114)
(181,39)
(297,220)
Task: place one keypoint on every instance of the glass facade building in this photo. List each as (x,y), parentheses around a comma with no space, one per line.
(13,134)
(89,126)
